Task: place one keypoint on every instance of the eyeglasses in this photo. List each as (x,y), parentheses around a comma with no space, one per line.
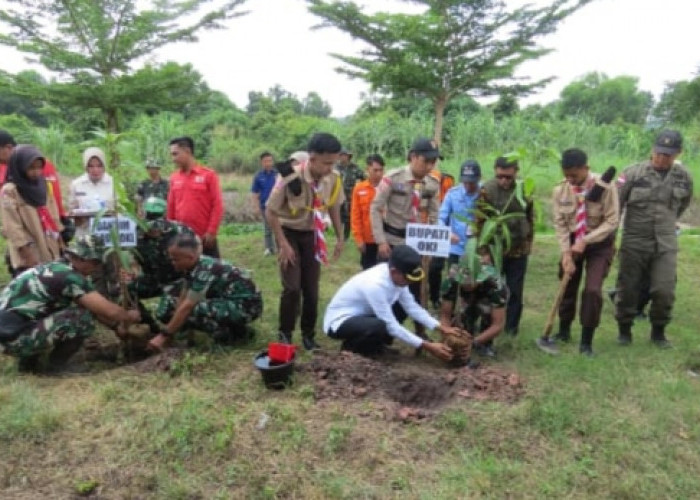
(504,177)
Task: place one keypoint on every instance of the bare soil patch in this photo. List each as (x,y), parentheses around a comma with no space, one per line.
(412,389)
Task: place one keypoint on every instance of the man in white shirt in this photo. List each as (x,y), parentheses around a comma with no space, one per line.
(360,312)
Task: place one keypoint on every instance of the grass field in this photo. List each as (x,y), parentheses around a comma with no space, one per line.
(622,425)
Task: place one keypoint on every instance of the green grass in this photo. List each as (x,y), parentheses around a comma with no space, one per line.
(622,425)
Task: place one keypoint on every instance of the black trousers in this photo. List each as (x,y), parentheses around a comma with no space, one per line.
(369,258)
(366,335)
(514,269)
(212,251)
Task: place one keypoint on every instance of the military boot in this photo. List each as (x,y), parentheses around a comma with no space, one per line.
(307,340)
(624,336)
(564,334)
(586,346)
(658,337)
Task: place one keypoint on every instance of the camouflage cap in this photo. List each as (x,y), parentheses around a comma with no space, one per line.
(88,247)
(152,163)
(155,205)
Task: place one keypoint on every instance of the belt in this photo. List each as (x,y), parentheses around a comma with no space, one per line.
(394,231)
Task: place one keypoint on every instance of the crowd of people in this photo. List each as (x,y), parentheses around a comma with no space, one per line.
(64,280)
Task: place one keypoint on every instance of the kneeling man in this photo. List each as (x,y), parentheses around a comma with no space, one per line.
(217,298)
(360,312)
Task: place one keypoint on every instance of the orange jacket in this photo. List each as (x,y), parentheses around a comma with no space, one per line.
(362,196)
(446,182)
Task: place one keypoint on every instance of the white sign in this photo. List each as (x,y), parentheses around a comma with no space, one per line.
(126,229)
(428,239)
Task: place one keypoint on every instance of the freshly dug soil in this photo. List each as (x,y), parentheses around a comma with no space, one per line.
(413,388)
(161,362)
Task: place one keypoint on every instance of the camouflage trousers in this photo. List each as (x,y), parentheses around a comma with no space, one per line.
(230,314)
(43,335)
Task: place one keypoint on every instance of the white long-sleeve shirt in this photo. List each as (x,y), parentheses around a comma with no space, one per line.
(372,292)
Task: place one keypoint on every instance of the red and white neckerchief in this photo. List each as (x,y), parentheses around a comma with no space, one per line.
(47,223)
(320,248)
(415,200)
(581,224)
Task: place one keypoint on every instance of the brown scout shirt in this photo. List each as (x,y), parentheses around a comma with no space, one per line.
(602,217)
(296,212)
(392,204)
(21,225)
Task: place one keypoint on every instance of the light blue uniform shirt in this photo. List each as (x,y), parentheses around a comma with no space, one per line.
(458,202)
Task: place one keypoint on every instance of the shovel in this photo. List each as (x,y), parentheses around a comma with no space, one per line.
(544,341)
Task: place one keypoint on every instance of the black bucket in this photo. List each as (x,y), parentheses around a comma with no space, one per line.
(275,376)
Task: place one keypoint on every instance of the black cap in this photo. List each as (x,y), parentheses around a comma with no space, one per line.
(425,147)
(470,171)
(406,260)
(6,138)
(668,142)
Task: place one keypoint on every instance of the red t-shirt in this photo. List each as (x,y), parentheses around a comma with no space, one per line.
(52,180)
(195,200)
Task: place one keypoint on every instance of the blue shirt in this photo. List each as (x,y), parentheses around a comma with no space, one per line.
(458,202)
(263,182)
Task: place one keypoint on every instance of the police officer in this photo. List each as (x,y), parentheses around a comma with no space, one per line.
(654,194)
(47,309)
(295,212)
(474,299)
(350,174)
(586,216)
(217,298)
(505,194)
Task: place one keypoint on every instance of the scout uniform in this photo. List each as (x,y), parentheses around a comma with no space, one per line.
(401,199)
(38,310)
(521,230)
(600,222)
(653,202)
(226,297)
(299,214)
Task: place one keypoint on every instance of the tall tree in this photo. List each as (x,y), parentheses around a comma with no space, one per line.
(455,47)
(680,101)
(606,100)
(94,47)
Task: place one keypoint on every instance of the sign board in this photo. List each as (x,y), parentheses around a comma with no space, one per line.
(126,228)
(428,239)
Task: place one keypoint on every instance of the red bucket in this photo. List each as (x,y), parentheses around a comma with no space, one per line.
(280,353)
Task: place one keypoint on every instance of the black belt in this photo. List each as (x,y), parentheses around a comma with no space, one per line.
(394,231)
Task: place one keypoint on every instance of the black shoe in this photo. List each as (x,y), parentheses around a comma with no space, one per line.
(625,333)
(485,351)
(284,338)
(310,344)
(563,336)
(662,343)
(586,350)
(624,339)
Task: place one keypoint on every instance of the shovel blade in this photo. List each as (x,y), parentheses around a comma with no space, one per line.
(547,345)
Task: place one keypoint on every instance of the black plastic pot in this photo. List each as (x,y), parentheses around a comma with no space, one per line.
(275,376)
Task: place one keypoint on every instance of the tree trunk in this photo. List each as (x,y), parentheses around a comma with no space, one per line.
(440,105)
(112,117)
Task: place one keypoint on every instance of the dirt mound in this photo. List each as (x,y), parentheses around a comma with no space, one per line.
(413,388)
(162,362)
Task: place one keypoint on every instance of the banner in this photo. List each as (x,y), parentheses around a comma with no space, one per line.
(126,230)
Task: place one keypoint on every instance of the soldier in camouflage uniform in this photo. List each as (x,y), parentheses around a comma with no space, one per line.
(350,174)
(216,297)
(653,195)
(482,303)
(48,308)
(155,185)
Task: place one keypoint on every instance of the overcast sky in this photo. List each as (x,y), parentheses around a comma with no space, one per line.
(275,44)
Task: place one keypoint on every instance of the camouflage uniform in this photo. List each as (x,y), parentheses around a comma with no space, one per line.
(152,255)
(149,188)
(350,175)
(226,298)
(477,304)
(45,296)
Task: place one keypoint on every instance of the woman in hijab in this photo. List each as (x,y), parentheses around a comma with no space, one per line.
(30,219)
